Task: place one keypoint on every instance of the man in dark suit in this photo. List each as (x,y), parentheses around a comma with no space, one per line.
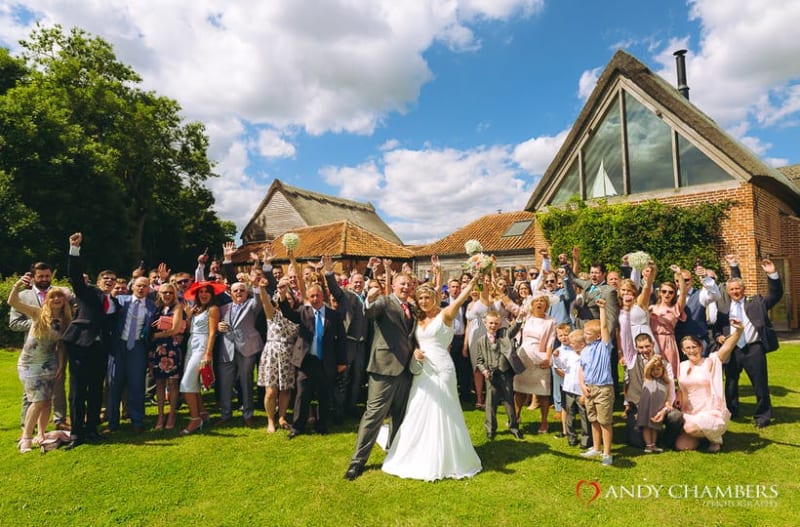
(88,340)
(389,378)
(757,340)
(318,354)
(350,304)
(128,364)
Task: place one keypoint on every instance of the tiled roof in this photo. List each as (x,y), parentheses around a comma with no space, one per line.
(338,239)
(320,209)
(488,230)
(627,66)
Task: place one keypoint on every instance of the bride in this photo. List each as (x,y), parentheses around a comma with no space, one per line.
(433,441)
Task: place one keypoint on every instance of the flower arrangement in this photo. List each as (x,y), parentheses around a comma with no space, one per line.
(290,240)
(473,247)
(639,260)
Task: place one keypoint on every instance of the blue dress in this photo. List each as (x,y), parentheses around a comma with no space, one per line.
(190,383)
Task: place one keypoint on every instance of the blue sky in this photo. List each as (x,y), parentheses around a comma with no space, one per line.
(435,111)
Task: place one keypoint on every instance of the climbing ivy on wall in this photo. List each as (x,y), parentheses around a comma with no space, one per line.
(668,233)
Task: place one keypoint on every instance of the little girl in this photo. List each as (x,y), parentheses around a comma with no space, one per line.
(653,403)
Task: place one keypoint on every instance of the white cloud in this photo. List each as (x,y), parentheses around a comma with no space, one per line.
(390,144)
(426,194)
(536,154)
(271,144)
(587,82)
(747,52)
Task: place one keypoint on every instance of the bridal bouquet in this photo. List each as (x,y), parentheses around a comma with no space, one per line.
(478,262)
(290,240)
(639,260)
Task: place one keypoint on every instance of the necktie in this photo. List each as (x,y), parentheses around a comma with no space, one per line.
(133,326)
(318,330)
(740,316)
(106,303)
(492,338)
(42,296)
(406,311)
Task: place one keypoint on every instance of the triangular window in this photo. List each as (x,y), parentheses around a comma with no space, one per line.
(602,156)
(649,148)
(570,185)
(696,167)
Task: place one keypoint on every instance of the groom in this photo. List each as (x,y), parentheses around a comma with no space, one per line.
(389,377)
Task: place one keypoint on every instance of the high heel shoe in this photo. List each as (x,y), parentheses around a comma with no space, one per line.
(159,423)
(205,416)
(188,431)
(170,422)
(283,423)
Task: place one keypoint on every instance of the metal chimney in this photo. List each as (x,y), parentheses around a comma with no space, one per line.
(680,62)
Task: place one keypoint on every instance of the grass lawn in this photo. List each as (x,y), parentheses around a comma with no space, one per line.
(237,476)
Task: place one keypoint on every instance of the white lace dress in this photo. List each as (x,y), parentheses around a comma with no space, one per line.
(433,442)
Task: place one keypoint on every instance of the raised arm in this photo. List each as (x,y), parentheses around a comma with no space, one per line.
(266,299)
(683,286)
(649,275)
(14,301)
(604,333)
(725,350)
(450,312)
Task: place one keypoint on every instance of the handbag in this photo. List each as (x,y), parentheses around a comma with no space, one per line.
(513,358)
(206,377)
(165,322)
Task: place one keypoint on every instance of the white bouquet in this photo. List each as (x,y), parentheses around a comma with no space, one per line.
(290,240)
(639,260)
(473,247)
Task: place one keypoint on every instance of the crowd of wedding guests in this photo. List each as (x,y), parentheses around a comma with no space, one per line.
(547,336)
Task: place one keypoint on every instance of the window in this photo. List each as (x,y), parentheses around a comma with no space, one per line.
(649,149)
(603,156)
(696,167)
(570,185)
(517,228)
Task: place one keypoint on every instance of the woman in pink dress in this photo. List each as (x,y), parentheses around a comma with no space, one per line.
(702,393)
(536,351)
(666,313)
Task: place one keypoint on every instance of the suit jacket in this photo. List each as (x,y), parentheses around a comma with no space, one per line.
(393,340)
(19,321)
(350,307)
(333,336)
(606,292)
(494,357)
(90,322)
(124,303)
(243,334)
(756,308)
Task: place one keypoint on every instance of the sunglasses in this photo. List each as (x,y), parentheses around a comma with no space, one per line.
(519,270)
(549,281)
(533,275)
(667,292)
(184,281)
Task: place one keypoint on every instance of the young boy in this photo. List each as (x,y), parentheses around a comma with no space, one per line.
(493,349)
(598,385)
(571,387)
(562,332)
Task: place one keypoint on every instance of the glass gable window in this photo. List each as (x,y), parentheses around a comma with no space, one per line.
(649,148)
(696,167)
(570,185)
(603,157)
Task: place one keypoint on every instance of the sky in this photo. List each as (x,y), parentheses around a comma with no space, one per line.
(435,111)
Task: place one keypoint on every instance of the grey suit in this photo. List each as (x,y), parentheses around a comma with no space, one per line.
(389,377)
(19,322)
(239,352)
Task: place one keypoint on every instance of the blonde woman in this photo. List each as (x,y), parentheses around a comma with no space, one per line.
(41,362)
(166,352)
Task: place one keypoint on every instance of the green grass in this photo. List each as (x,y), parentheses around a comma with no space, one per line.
(237,476)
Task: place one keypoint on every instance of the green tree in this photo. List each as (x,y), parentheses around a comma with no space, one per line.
(87,149)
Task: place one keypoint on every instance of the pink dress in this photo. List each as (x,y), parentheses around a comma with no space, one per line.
(538,334)
(663,319)
(704,411)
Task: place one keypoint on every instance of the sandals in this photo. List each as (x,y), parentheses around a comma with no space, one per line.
(189,431)
(159,423)
(283,423)
(25,445)
(170,422)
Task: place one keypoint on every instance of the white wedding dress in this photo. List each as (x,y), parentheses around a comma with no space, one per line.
(433,441)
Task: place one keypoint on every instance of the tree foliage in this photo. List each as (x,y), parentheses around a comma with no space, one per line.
(669,234)
(85,148)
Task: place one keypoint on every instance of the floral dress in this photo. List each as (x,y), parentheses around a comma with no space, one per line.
(275,370)
(166,354)
(37,366)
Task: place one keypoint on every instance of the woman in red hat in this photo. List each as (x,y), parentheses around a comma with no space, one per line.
(204,318)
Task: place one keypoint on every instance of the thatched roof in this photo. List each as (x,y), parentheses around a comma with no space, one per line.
(667,96)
